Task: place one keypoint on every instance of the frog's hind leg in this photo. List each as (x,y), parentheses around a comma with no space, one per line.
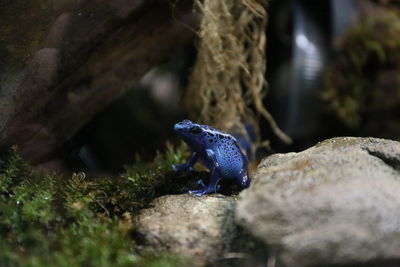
(212,186)
(243,179)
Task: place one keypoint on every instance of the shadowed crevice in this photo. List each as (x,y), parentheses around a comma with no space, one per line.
(393,162)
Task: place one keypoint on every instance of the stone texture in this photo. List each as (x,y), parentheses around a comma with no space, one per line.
(201,227)
(335,203)
(64,61)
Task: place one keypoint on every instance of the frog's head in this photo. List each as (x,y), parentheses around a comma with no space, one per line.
(191,133)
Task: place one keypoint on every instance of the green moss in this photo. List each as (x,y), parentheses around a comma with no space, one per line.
(164,260)
(49,221)
(364,76)
(135,189)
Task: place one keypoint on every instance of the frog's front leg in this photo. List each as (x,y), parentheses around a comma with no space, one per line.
(188,166)
(215,175)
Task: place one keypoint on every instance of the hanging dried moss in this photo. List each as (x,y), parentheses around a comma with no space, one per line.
(228,78)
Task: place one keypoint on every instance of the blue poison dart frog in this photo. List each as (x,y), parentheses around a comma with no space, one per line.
(218,151)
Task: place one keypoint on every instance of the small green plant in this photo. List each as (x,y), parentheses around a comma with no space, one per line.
(49,221)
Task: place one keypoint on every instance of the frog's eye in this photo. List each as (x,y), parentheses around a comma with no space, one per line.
(195,130)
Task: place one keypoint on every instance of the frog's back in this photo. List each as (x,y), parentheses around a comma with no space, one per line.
(228,155)
(230,158)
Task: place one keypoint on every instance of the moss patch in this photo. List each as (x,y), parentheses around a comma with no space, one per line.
(48,221)
(363,82)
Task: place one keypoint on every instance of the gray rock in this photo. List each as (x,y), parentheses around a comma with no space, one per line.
(200,227)
(335,203)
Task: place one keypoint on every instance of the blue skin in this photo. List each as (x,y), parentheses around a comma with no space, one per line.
(217,150)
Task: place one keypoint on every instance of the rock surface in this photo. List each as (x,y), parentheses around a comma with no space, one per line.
(200,227)
(335,203)
(64,61)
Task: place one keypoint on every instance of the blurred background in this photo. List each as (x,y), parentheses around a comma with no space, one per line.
(87,85)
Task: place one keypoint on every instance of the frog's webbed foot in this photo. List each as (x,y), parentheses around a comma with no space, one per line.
(205,190)
(198,193)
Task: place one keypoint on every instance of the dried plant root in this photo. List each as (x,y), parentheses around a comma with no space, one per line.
(229,76)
